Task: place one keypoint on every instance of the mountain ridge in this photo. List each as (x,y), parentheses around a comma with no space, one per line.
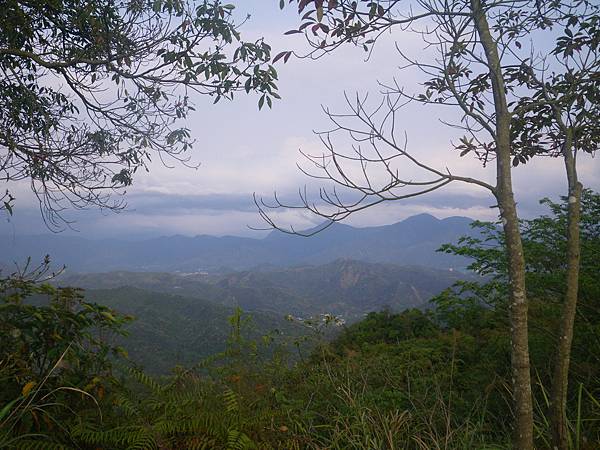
(343,287)
(411,241)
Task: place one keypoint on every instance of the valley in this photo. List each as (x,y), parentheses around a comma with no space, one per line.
(182,318)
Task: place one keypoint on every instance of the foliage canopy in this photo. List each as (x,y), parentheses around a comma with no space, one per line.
(92,91)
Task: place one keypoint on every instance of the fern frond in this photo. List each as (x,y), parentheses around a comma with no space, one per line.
(143,442)
(198,443)
(236,440)
(126,436)
(146,380)
(33,444)
(231,401)
(127,405)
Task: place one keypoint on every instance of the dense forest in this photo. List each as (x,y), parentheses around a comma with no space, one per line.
(421,334)
(422,378)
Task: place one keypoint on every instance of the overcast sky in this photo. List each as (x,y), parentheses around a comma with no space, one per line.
(242,150)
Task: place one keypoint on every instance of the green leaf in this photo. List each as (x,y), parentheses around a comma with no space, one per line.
(279,56)
(4,412)
(108,315)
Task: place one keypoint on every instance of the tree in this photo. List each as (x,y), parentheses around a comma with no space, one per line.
(562,119)
(545,241)
(91,91)
(56,357)
(478,68)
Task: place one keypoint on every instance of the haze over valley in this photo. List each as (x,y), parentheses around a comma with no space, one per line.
(182,289)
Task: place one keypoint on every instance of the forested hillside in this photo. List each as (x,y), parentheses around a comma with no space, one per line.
(181,319)
(346,288)
(247,225)
(171,330)
(421,378)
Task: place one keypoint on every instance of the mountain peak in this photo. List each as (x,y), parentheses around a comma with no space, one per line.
(317,230)
(413,241)
(423,217)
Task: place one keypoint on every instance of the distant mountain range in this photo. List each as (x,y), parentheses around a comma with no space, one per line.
(182,289)
(411,242)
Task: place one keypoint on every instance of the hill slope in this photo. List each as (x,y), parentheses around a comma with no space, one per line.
(344,287)
(171,329)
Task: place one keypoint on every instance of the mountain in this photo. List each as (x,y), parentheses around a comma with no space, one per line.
(171,330)
(410,242)
(181,318)
(344,287)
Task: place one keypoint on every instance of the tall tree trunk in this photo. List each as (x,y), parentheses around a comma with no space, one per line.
(521,371)
(563,356)
(521,376)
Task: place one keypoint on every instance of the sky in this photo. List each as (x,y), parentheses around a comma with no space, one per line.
(242,151)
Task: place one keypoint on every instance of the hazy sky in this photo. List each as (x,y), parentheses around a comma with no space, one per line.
(242,150)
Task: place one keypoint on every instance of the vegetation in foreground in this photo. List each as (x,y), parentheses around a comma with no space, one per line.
(416,380)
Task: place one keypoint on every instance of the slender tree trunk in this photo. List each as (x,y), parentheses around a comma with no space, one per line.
(521,371)
(563,356)
(521,376)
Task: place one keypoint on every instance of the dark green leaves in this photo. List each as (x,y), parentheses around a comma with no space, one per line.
(123,74)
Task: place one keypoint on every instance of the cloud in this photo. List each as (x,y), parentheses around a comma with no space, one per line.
(241,151)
